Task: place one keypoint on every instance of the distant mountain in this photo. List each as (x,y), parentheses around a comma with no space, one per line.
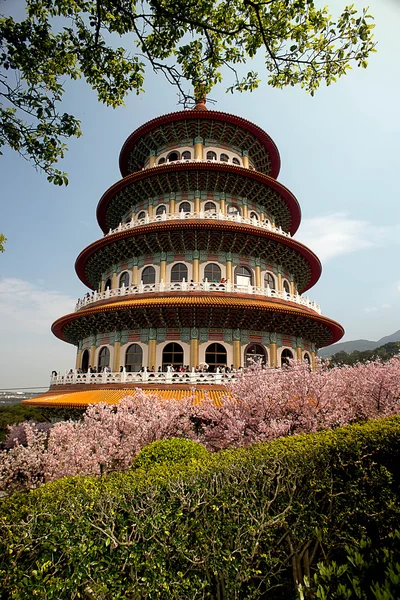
(358,345)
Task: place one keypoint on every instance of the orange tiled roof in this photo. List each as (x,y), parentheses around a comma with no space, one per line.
(82,399)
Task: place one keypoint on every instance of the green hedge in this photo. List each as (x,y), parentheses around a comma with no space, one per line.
(175,450)
(243,524)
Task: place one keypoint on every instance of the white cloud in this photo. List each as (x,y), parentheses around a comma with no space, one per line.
(337,234)
(29,308)
(29,351)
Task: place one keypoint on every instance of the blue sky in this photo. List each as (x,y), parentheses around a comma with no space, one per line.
(340,157)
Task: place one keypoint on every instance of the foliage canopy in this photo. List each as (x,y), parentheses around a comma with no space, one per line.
(189,41)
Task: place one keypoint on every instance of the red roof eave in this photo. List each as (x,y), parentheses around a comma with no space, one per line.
(290,199)
(310,257)
(335,328)
(259,133)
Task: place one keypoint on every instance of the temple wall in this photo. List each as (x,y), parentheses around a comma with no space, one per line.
(196,345)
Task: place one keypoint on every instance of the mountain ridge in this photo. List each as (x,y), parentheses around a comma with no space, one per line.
(361,344)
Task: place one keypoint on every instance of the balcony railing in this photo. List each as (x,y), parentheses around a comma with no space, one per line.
(188,287)
(213,215)
(143,377)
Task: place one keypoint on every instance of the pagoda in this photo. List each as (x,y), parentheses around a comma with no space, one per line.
(197,272)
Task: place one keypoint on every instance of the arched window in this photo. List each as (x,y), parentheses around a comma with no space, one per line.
(269,280)
(149,275)
(161,209)
(307,358)
(243,276)
(233,209)
(236,161)
(141,215)
(186,155)
(85,361)
(286,286)
(224,158)
(210,206)
(255,353)
(107,285)
(124,279)
(212,272)
(254,215)
(184,207)
(133,358)
(285,357)
(172,355)
(104,358)
(215,357)
(173,156)
(179,272)
(211,155)
(161,161)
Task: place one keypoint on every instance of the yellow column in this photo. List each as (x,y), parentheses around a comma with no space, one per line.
(198,148)
(152,354)
(292,287)
(245,211)
(313,361)
(279,282)
(103,285)
(152,162)
(92,356)
(236,353)
(194,353)
(135,275)
(163,271)
(117,353)
(299,354)
(197,201)
(172,205)
(196,270)
(78,363)
(150,210)
(258,276)
(114,281)
(262,216)
(229,271)
(245,161)
(273,355)
(222,205)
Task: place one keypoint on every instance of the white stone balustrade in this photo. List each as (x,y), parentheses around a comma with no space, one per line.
(188,287)
(147,377)
(216,216)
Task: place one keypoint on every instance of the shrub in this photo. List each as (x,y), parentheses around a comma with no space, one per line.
(366,573)
(244,524)
(172,451)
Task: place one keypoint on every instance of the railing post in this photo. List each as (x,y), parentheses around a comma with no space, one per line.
(123,375)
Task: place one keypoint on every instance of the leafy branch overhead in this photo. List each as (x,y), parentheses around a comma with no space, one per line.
(110,43)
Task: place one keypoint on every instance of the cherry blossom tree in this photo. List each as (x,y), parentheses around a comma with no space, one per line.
(261,405)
